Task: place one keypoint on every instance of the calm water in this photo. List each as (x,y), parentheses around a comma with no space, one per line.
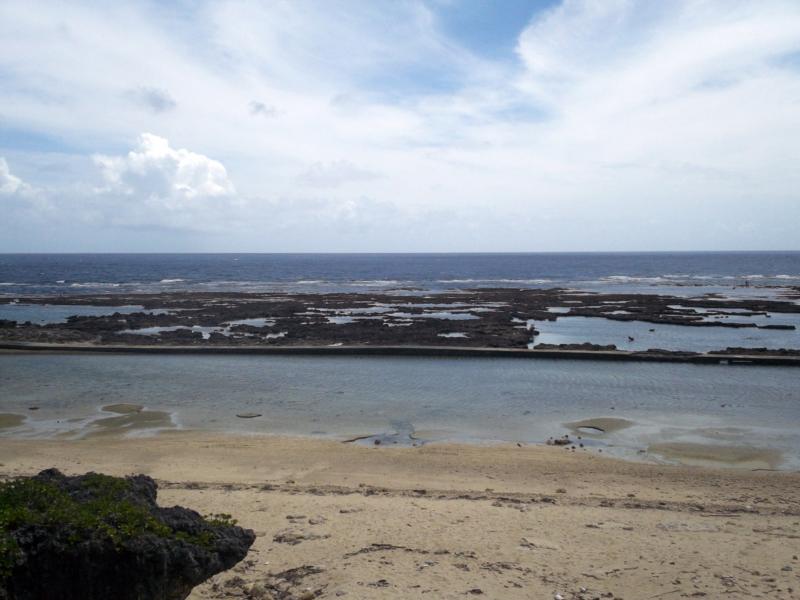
(22,274)
(577,330)
(475,400)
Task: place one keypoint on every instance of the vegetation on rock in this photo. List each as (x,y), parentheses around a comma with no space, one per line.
(112,527)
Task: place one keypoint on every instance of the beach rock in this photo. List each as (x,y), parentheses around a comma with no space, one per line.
(759,351)
(585,346)
(107,538)
(7,324)
(562,441)
(663,352)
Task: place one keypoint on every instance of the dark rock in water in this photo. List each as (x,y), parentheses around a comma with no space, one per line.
(95,537)
(783,327)
(759,351)
(6,324)
(663,352)
(562,441)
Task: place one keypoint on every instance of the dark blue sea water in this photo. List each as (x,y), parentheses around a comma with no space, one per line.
(28,274)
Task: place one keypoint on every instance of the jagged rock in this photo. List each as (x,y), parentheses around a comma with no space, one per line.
(759,351)
(95,537)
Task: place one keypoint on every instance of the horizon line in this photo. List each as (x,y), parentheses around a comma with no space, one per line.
(405,253)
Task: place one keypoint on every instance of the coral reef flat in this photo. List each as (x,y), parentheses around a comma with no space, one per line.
(513,319)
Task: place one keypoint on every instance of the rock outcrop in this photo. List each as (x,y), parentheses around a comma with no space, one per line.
(95,537)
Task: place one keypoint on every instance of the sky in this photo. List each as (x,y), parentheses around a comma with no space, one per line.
(399,125)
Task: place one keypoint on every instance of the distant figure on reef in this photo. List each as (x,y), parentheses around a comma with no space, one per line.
(630,339)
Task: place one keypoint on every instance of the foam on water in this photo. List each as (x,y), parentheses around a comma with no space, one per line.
(22,274)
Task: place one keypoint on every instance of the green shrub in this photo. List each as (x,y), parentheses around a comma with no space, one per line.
(103,513)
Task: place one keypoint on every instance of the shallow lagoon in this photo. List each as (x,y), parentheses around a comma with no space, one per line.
(419,399)
(597,330)
(42,314)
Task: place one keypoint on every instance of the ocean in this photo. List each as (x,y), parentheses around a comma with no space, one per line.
(57,274)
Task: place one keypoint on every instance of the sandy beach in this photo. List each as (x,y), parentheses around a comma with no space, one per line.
(449,521)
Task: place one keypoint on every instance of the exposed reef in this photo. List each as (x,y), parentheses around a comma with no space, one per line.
(481,318)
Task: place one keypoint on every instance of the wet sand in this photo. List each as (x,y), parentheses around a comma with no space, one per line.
(123,408)
(714,455)
(9,420)
(449,521)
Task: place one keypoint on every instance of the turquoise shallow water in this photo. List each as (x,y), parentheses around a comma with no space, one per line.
(434,399)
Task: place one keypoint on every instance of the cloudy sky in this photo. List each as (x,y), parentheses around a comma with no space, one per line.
(399,125)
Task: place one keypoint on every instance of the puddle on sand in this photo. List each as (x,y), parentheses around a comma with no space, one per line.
(598,426)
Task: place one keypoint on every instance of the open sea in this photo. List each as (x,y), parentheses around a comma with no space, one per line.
(34,274)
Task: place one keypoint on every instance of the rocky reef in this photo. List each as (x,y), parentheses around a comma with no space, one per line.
(96,537)
(479,318)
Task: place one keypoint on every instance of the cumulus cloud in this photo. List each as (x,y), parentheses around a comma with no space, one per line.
(157,173)
(9,183)
(153,99)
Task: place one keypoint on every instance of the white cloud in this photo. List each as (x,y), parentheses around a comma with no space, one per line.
(610,113)
(9,183)
(157,173)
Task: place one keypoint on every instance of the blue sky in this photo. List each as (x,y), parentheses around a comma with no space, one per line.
(404,125)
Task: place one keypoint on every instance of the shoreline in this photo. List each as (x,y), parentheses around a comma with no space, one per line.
(408,350)
(446,519)
(211,457)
